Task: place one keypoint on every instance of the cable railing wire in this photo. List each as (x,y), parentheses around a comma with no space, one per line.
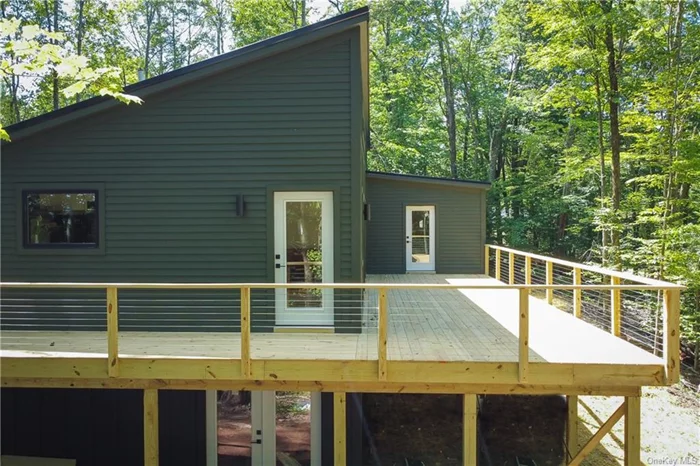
(641,318)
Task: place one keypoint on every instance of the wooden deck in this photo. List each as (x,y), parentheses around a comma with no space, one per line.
(482,325)
(435,336)
(420,333)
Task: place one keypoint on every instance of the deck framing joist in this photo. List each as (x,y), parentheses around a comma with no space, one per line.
(349,387)
(330,375)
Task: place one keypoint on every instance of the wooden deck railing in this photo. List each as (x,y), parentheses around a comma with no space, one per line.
(619,283)
(614,287)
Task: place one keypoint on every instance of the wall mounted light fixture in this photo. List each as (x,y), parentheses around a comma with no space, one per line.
(240,205)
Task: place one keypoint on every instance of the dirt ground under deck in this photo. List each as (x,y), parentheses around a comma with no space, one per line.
(428,428)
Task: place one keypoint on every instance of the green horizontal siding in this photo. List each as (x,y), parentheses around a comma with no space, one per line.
(459,225)
(171,169)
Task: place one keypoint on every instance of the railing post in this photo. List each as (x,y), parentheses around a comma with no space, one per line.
(672,349)
(246,366)
(382,337)
(615,308)
(487,261)
(511,268)
(528,270)
(112,332)
(578,293)
(498,264)
(550,281)
(523,335)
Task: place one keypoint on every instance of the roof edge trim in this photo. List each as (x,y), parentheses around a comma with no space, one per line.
(473,184)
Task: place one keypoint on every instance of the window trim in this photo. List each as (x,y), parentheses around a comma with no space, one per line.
(24,247)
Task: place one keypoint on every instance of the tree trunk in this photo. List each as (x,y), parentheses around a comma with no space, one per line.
(80,33)
(614,104)
(173,38)
(13,82)
(56,4)
(495,148)
(52,26)
(448,88)
(601,153)
(672,131)
(150,17)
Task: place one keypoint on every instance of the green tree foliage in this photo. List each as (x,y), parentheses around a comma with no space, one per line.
(584,114)
(31,51)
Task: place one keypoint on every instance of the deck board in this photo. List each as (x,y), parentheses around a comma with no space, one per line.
(424,325)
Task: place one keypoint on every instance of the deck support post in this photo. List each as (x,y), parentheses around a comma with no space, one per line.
(382,336)
(549,281)
(528,270)
(469,430)
(523,334)
(615,307)
(487,260)
(246,366)
(511,268)
(572,424)
(210,428)
(150,427)
(339,433)
(578,294)
(632,431)
(112,332)
(498,264)
(672,348)
(602,432)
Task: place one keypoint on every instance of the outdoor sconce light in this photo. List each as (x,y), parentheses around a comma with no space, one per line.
(368,212)
(240,205)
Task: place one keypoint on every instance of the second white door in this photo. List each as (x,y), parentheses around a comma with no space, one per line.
(420,238)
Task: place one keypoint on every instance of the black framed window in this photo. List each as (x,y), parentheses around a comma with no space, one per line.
(61,218)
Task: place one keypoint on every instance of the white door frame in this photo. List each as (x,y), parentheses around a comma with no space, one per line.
(420,266)
(304,316)
(263,419)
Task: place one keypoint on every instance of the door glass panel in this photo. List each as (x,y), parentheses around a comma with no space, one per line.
(293,426)
(304,256)
(420,236)
(235,446)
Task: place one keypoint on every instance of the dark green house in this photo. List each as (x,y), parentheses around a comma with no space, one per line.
(247,167)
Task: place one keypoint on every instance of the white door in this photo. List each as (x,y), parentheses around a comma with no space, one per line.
(420,238)
(264,428)
(263,413)
(304,254)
